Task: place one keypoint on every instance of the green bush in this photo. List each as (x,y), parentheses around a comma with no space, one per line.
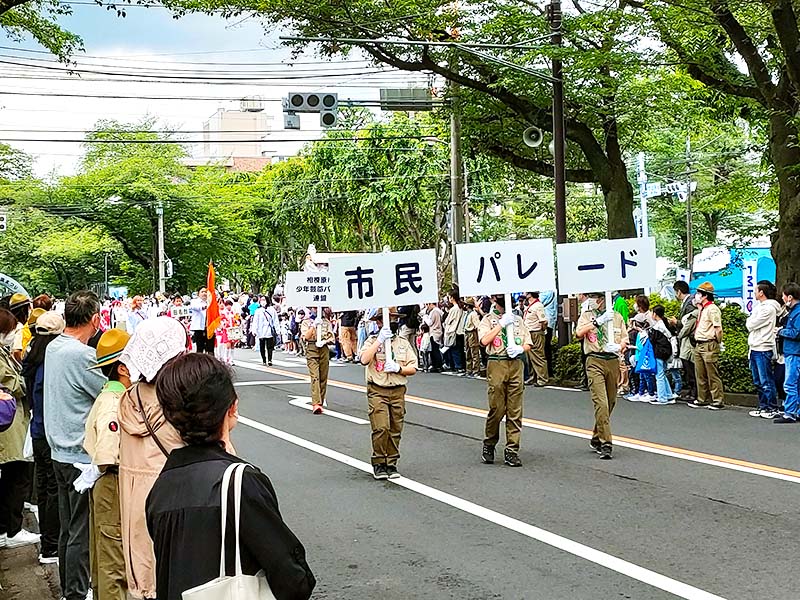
(568,362)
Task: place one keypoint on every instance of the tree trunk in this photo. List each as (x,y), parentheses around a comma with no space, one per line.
(786,159)
(618,195)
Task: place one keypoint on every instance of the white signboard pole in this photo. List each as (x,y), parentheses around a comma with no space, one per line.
(610,324)
(319,325)
(387,345)
(509,328)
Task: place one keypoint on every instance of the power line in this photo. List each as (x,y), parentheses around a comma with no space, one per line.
(118,141)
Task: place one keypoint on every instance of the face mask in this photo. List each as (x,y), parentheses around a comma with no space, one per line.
(698,299)
(7,340)
(263,303)
(591,304)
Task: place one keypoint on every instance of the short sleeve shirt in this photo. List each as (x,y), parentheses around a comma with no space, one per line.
(710,318)
(327,330)
(497,348)
(102,426)
(534,315)
(595,340)
(402,353)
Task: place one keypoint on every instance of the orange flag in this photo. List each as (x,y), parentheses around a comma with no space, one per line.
(212,312)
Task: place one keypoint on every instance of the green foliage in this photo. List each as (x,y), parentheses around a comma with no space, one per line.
(568,363)
(39,20)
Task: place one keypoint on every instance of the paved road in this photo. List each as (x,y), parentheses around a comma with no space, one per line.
(696,504)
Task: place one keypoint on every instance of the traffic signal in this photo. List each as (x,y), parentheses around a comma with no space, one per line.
(312,102)
(328,118)
(3,222)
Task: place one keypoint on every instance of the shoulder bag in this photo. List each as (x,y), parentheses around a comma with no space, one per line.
(147,424)
(238,586)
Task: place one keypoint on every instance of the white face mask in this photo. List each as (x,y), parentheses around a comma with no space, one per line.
(698,299)
(8,339)
(591,304)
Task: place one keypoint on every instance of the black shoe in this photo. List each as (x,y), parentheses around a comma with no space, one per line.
(487,455)
(512,459)
(595,445)
(380,472)
(391,471)
(698,404)
(716,406)
(605,452)
(784,419)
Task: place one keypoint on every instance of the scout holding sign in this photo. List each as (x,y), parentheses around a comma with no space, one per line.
(503,268)
(385,279)
(606,265)
(387,375)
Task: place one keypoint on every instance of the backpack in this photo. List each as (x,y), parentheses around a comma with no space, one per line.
(662,347)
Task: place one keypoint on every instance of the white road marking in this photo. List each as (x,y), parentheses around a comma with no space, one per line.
(629,569)
(272,382)
(481,413)
(305,402)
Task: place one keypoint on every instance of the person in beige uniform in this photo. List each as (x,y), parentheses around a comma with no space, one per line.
(536,323)
(504,375)
(472,344)
(602,366)
(708,335)
(386,392)
(318,355)
(106,558)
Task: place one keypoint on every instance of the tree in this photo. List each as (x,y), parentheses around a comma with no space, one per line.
(710,38)
(14,164)
(39,19)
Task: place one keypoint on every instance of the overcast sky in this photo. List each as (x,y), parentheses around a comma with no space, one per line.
(148,39)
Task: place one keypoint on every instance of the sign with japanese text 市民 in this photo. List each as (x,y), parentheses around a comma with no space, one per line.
(383,279)
(505,267)
(307,288)
(606,265)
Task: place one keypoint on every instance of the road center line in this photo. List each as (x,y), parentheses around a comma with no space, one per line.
(705,458)
(673,586)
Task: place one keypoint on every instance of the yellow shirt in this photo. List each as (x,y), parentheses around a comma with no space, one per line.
(534,315)
(710,318)
(403,355)
(102,426)
(326,334)
(594,341)
(498,347)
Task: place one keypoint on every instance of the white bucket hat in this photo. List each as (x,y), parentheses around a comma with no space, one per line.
(154,342)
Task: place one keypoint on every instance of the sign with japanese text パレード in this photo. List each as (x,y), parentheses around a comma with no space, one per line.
(307,288)
(606,265)
(505,267)
(383,279)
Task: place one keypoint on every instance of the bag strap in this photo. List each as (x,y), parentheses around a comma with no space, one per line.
(237,496)
(226,478)
(148,425)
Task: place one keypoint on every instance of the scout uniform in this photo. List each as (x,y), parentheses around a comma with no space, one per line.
(318,360)
(102,444)
(504,376)
(534,315)
(602,372)
(706,354)
(386,396)
(473,344)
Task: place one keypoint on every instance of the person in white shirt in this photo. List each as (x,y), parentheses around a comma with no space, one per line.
(198,306)
(137,314)
(761,341)
(264,326)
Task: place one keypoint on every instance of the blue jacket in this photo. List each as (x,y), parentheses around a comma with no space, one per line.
(34,387)
(791,332)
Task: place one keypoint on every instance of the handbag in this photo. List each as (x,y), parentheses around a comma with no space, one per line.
(238,586)
(8,410)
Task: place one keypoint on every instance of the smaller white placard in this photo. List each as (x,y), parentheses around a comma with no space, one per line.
(383,279)
(505,267)
(606,265)
(307,288)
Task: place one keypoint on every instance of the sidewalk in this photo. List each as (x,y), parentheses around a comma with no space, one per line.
(21,575)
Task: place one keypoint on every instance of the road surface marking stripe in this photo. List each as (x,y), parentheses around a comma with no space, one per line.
(271,382)
(305,402)
(724,462)
(673,586)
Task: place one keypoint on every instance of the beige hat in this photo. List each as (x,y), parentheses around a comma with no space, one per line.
(50,323)
(706,287)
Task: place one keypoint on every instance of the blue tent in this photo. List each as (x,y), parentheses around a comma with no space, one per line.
(728,281)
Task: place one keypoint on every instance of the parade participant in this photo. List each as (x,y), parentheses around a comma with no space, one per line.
(264,327)
(708,335)
(536,322)
(137,314)
(386,392)
(102,475)
(318,354)
(229,319)
(146,439)
(602,366)
(473,345)
(504,375)
(198,306)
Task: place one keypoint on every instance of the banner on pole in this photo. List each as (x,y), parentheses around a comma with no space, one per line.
(307,288)
(749,283)
(505,267)
(383,279)
(606,265)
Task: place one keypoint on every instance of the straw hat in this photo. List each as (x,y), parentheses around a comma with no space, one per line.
(50,323)
(706,287)
(18,300)
(393,314)
(110,347)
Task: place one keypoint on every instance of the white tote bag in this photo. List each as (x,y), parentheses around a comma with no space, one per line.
(239,586)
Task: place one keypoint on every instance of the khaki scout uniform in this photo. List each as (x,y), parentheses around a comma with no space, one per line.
(602,372)
(105,536)
(706,356)
(473,343)
(506,386)
(534,315)
(318,359)
(386,395)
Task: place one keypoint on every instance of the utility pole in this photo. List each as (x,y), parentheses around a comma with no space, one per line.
(641,177)
(456,174)
(162,278)
(689,241)
(105,271)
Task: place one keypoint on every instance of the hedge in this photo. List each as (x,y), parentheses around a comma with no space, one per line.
(734,365)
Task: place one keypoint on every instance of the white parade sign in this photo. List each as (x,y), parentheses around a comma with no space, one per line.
(305,288)
(606,265)
(505,267)
(383,279)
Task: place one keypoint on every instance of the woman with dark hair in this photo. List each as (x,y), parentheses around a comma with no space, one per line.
(47,328)
(14,468)
(199,400)
(454,332)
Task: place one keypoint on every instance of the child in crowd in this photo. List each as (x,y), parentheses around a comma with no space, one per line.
(425,347)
